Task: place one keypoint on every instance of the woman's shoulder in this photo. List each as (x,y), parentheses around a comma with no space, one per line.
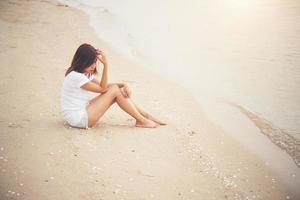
(76,77)
(74,74)
(81,75)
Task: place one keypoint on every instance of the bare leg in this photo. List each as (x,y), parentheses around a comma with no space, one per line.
(147,115)
(100,104)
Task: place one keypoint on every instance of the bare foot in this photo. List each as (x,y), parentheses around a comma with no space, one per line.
(146,124)
(155,120)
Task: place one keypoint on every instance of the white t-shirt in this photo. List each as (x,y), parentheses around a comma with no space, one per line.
(74,98)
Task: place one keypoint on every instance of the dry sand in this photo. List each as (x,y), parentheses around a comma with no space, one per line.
(42,158)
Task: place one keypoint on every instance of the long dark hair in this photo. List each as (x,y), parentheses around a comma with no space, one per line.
(84,57)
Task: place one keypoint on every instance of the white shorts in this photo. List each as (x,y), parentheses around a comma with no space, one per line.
(77,118)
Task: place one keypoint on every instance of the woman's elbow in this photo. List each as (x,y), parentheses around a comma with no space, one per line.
(103,89)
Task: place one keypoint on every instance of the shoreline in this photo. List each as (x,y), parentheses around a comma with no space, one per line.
(113,159)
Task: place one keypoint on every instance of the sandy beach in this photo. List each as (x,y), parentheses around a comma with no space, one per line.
(41,157)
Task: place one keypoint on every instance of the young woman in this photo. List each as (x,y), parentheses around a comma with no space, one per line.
(82,111)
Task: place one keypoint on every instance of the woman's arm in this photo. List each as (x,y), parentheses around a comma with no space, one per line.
(120,85)
(93,87)
(104,78)
(97,81)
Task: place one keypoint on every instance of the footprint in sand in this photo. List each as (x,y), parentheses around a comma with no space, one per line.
(13,125)
(62,5)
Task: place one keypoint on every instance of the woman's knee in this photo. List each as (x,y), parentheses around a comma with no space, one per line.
(114,89)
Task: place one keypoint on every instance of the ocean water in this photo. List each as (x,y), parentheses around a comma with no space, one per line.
(233,55)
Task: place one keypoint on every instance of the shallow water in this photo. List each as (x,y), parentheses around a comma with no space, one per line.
(245,52)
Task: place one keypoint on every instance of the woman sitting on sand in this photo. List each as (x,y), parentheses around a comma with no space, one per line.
(77,107)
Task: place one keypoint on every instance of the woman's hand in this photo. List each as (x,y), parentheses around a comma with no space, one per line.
(101,57)
(126,91)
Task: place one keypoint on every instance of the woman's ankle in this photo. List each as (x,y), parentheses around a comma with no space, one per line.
(141,120)
(146,115)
